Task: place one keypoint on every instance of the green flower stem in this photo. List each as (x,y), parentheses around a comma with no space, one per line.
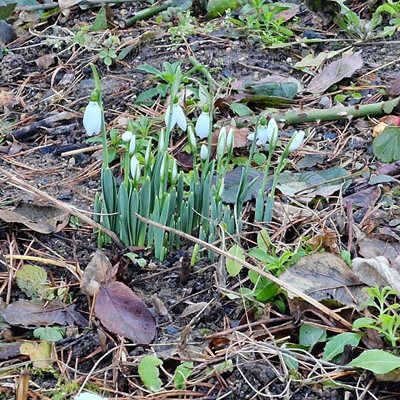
(270,199)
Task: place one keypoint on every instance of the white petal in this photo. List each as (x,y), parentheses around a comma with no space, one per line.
(127,136)
(173,118)
(251,136)
(296,141)
(88,396)
(203,125)
(92,118)
(132,144)
(272,131)
(135,167)
(203,152)
(179,117)
(262,135)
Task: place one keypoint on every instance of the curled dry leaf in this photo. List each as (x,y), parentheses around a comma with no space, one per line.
(377,271)
(335,72)
(326,276)
(37,313)
(39,218)
(124,313)
(46,61)
(96,273)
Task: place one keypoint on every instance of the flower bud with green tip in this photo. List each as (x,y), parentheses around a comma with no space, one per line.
(135,169)
(204,152)
(296,141)
(203,124)
(221,146)
(92,118)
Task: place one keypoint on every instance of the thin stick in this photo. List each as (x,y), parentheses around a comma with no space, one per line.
(254,268)
(13,180)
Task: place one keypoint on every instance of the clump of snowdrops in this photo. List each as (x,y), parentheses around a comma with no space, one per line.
(155,188)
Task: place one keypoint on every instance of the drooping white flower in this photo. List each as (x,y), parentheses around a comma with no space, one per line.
(132,144)
(135,168)
(203,125)
(266,133)
(89,396)
(177,117)
(92,118)
(272,132)
(296,141)
(203,152)
(127,136)
(221,142)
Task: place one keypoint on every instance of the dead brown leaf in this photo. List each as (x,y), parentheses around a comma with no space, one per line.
(124,313)
(393,87)
(38,217)
(96,273)
(37,313)
(46,61)
(377,271)
(65,4)
(335,72)
(326,276)
(327,240)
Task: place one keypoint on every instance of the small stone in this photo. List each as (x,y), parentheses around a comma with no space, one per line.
(7,34)
(325,102)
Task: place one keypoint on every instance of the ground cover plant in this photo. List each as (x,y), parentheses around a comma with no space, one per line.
(199,199)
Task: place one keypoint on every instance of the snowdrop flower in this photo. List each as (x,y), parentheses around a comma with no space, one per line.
(177,117)
(272,132)
(92,118)
(135,168)
(88,396)
(204,152)
(296,141)
(203,125)
(127,136)
(266,133)
(132,144)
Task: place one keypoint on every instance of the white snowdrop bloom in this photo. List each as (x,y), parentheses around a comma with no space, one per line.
(127,136)
(296,141)
(135,168)
(89,396)
(203,125)
(92,118)
(272,131)
(177,117)
(204,152)
(262,135)
(132,144)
